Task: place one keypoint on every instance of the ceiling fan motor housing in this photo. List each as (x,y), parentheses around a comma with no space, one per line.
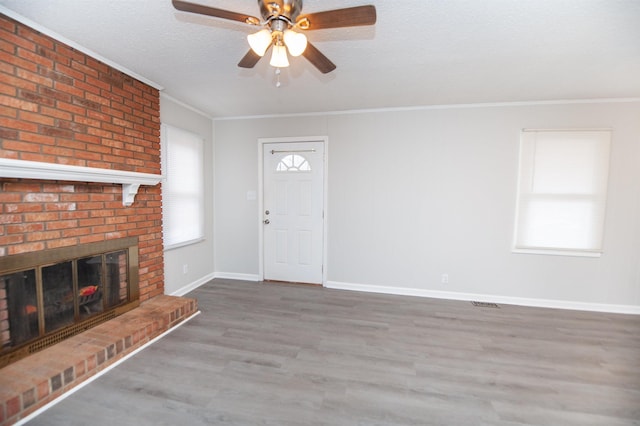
(287,8)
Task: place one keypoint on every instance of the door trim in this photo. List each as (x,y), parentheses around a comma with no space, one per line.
(261,142)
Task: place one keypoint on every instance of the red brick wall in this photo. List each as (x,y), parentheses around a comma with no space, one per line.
(58,105)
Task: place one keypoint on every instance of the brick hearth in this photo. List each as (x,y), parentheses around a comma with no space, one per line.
(33,382)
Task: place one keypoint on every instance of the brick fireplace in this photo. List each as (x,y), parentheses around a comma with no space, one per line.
(61,107)
(58,105)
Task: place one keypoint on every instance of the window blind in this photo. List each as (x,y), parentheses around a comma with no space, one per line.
(183,187)
(562,191)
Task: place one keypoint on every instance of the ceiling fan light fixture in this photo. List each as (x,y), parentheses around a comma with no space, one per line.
(295,42)
(279,18)
(279,56)
(260,41)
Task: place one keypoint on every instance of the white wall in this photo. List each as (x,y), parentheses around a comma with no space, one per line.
(418,193)
(198,257)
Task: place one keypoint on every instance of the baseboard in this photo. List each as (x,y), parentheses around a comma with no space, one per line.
(521,301)
(236,276)
(192,286)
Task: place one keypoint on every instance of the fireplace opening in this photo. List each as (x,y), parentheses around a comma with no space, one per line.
(48,296)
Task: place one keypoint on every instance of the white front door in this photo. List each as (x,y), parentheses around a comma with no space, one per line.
(293,201)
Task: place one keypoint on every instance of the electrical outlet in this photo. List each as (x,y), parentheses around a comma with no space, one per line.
(185,268)
(444,278)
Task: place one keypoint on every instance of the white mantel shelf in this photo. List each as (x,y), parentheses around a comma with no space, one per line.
(130,181)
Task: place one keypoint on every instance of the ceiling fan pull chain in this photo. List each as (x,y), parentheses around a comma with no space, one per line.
(278,84)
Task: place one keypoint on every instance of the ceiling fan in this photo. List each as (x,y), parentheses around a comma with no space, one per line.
(280,18)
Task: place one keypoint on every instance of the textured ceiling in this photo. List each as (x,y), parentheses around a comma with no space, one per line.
(420,52)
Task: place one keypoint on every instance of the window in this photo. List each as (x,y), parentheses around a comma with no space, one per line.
(293,163)
(562,191)
(183,187)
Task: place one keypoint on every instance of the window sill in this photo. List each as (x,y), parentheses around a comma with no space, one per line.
(183,244)
(551,252)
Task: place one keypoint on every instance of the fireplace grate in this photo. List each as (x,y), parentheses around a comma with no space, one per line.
(48,296)
(70,331)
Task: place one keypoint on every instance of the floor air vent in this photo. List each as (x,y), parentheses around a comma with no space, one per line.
(485,305)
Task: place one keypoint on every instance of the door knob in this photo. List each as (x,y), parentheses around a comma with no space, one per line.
(266,221)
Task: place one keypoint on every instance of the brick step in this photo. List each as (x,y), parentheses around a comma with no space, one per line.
(34,381)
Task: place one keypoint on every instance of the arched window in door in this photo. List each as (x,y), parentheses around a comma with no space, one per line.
(293,163)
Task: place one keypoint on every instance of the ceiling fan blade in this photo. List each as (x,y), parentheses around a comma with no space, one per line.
(316,57)
(338,18)
(212,11)
(249,60)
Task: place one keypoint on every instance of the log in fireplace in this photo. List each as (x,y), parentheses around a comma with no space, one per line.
(48,296)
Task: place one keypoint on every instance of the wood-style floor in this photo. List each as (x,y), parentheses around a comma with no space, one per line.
(279,354)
